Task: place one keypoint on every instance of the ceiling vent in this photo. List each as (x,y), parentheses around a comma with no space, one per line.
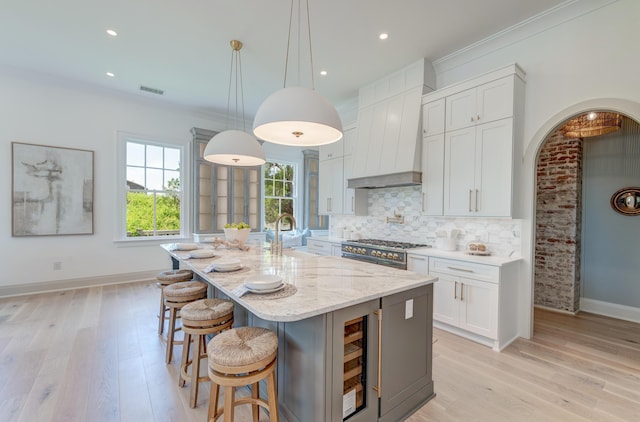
(151,90)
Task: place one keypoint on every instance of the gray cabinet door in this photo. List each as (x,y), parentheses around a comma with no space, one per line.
(407,330)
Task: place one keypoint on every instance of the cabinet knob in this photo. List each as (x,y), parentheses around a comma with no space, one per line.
(472,118)
(478,117)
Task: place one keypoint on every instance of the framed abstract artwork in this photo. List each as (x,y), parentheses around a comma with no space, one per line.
(51,190)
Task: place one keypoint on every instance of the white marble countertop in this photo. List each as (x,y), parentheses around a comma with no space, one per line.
(461,256)
(324,283)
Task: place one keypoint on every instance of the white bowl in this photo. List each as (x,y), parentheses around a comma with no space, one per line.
(202,253)
(230,264)
(263,282)
(236,235)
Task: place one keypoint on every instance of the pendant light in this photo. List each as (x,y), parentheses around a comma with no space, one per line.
(235,147)
(297,116)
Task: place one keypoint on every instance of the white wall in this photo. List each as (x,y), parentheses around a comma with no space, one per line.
(578,56)
(39,110)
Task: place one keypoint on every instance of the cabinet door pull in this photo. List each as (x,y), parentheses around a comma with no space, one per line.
(353,204)
(377,388)
(461,291)
(470,193)
(477,117)
(460,269)
(477,193)
(455,290)
(422,201)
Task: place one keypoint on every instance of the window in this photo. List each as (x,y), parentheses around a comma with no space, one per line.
(279,191)
(153,189)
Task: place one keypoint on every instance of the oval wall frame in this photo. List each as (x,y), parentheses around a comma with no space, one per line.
(626,201)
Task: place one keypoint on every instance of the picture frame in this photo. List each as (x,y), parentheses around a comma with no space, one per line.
(51,190)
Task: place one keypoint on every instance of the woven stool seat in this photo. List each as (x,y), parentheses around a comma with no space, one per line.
(242,346)
(206,309)
(199,319)
(243,356)
(174,276)
(183,291)
(166,278)
(177,296)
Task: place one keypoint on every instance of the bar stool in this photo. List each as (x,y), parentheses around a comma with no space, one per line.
(164,279)
(238,357)
(176,296)
(199,318)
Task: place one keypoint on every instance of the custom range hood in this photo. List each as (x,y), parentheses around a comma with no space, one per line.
(388,144)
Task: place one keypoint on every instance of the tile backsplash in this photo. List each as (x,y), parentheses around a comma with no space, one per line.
(501,235)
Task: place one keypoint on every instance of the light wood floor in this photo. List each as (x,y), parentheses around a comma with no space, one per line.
(94,355)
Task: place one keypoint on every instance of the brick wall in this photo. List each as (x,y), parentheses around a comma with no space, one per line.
(558,223)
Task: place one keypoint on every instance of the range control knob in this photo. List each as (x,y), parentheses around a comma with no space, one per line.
(384,255)
(396,257)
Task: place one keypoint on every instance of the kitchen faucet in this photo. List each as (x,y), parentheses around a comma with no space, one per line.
(276,245)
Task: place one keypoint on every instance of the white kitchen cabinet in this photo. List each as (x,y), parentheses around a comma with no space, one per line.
(323,246)
(478,170)
(332,150)
(482,145)
(474,300)
(433,174)
(483,104)
(433,118)
(355,200)
(331,186)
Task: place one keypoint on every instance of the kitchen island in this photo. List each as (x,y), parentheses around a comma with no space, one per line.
(354,338)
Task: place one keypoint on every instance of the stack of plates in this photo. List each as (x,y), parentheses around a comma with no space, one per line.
(227,265)
(185,246)
(264,283)
(202,253)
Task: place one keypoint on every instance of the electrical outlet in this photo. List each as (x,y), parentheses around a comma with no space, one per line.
(57,265)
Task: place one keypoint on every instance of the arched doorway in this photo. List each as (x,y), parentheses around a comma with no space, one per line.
(530,183)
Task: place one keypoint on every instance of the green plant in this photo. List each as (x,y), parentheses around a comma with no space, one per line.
(238,226)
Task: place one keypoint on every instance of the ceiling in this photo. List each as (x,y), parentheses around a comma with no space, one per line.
(182,46)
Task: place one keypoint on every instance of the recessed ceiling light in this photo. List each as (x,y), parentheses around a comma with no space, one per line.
(383,36)
(111,74)
(323,73)
(112,32)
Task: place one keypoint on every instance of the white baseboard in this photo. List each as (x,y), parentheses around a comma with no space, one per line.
(76,283)
(627,313)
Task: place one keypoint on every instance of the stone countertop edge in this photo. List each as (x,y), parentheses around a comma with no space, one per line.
(493,260)
(324,283)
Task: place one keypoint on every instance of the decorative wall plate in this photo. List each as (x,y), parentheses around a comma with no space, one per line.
(626,201)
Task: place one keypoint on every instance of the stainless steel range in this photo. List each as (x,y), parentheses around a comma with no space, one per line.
(383,252)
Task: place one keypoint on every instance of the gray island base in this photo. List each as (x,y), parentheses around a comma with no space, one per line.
(355,340)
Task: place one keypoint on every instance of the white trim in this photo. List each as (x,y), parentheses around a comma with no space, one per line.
(77,283)
(627,313)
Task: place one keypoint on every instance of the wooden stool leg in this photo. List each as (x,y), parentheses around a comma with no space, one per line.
(214,395)
(161,313)
(273,397)
(229,394)
(186,345)
(171,334)
(195,370)
(255,409)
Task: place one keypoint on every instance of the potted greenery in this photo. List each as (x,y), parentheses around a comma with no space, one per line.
(237,232)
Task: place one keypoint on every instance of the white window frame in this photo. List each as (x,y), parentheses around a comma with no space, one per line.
(296,183)
(121,188)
